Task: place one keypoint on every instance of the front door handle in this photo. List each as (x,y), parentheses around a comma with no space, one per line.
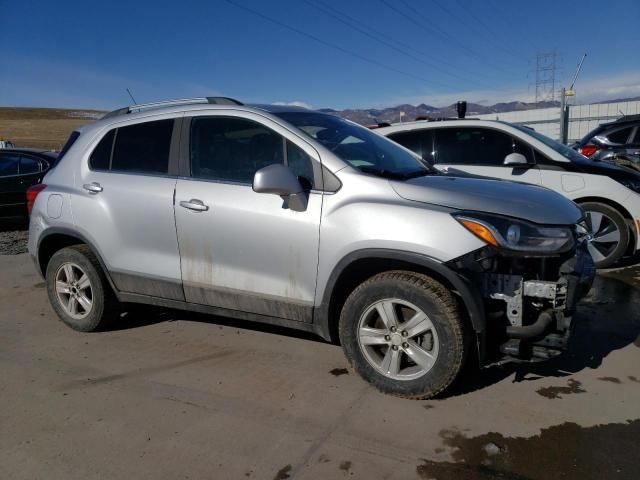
(93,187)
(195,205)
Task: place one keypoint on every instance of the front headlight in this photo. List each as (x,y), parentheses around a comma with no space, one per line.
(517,235)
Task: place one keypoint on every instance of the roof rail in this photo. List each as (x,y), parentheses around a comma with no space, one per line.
(167,103)
(628,118)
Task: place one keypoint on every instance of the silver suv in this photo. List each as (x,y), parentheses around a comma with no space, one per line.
(302,219)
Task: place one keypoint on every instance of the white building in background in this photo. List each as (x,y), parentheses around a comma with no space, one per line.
(582,118)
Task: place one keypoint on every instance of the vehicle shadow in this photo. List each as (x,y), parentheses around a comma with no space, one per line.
(12,225)
(608,319)
(626,261)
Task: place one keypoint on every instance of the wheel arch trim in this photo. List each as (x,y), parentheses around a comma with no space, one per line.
(82,239)
(633,226)
(468,293)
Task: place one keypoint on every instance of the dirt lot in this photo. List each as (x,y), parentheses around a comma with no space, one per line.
(46,128)
(174,395)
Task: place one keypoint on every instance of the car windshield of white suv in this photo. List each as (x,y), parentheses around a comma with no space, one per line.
(567,152)
(359,146)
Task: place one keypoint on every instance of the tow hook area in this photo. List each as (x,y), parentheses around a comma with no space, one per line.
(512,289)
(534,330)
(536,310)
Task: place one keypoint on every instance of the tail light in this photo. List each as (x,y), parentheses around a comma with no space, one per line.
(32,194)
(588,150)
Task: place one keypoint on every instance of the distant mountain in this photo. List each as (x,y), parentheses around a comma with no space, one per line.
(369,116)
(621,100)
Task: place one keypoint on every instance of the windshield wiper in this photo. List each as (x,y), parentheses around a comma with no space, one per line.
(393,175)
(417,173)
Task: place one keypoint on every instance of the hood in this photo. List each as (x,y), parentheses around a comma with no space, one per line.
(518,200)
(604,167)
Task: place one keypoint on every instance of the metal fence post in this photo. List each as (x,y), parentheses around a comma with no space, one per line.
(564,117)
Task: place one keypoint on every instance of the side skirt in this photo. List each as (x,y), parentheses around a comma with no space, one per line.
(223,312)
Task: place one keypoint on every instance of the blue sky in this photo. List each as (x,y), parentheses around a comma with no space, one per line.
(84,54)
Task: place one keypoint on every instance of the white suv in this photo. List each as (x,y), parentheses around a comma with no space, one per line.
(609,194)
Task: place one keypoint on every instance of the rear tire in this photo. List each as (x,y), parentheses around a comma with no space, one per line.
(78,289)
(403,332)
(611,234)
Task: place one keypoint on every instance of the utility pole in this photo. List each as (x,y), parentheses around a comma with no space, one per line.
(564,106)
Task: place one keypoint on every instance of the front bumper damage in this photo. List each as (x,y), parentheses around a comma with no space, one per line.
(529,302)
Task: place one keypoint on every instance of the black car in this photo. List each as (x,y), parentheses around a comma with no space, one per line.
(612,139)
(21,168)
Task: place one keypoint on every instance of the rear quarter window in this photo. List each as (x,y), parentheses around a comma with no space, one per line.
(69,143)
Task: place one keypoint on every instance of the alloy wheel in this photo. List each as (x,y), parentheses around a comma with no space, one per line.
(605,236)
(73,289)
(398,339)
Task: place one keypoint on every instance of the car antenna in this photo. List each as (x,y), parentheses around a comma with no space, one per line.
(622,113)
(129,92)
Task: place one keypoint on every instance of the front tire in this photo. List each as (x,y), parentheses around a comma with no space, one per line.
(611,235)
(403,332)
(78,289)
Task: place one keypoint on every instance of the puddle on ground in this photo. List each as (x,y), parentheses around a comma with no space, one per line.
(345,466)
(573,386)
(339,371)
(566,451)
(283,473)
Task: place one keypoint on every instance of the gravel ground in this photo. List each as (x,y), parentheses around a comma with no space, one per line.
(13,242)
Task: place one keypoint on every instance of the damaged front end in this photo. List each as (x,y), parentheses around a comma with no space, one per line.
(529,298)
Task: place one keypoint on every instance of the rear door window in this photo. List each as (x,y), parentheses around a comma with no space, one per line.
(476,146)
(100,158)
(139,148)
(9,165)
(143,148)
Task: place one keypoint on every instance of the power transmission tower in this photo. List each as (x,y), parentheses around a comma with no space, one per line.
(545,76)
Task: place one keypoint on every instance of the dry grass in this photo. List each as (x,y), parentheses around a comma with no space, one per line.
(42,127)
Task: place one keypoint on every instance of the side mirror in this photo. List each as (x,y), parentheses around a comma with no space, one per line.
(278,179)
(602,141)
(516,160)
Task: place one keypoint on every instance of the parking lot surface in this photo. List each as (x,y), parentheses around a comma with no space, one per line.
(177,395)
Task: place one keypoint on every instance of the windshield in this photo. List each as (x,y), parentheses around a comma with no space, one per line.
(358,146)
(567,152)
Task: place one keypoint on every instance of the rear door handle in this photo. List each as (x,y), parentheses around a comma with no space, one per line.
(195,205)
(93,187)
